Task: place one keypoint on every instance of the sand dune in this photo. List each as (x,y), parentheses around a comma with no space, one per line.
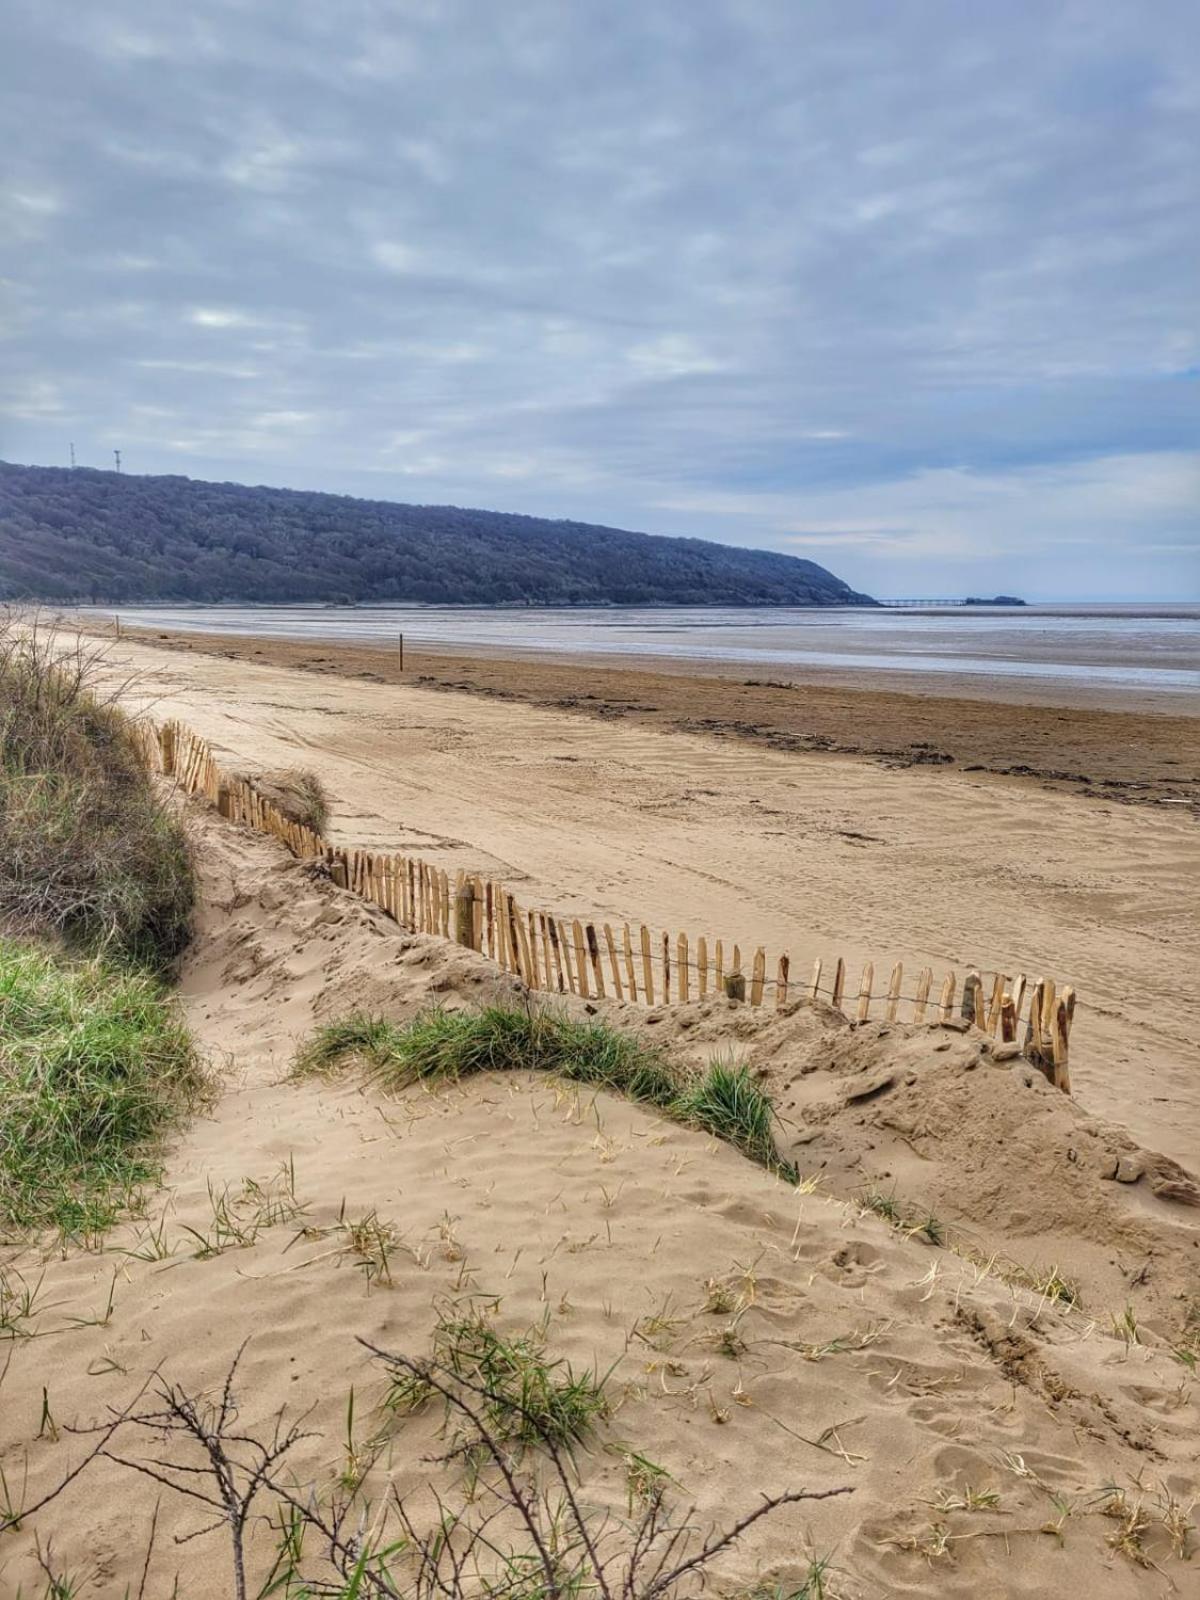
(860,1355)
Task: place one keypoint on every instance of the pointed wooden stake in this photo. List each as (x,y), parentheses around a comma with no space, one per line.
(864,992)
(580,957)
(627,952)
(839,984)
(758,975)
(947,1005)
(894,992)
(610,946)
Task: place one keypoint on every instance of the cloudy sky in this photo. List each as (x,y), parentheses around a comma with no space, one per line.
(912,289)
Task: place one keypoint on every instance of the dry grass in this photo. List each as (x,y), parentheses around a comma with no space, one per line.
(88,851)
(297,792)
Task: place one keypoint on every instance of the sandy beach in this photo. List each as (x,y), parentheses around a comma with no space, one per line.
(987,1382)
(968,1316)
(823,823)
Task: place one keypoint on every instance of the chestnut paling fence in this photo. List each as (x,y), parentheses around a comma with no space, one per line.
(597,960)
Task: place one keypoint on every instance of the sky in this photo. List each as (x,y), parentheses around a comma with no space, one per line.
(909,289)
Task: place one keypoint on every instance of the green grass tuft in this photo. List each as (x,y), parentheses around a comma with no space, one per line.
(95,1067)
(439,1045)
(456,1044)
(525,1397)
(728,1103)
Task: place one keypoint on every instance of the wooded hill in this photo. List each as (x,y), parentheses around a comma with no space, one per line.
(102,536)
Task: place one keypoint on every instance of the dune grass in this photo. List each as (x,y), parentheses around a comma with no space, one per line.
(88,850)
(525,1397)
(95,1067)
(457,1044)
(298,792)
(728,1103)
(439,1045)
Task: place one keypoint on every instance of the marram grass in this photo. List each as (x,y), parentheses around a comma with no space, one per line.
(95,1068)
(728,1103)
(439,1044)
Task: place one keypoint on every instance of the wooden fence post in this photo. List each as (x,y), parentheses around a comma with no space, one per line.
(1008,1019)
(1064,1011)
(839,984)
(781,982)
(864,992)
(734,984)
(627,952)
(922,996)
(564,945)
(893,994)
(758,976)
(580,957)
(593,949)
(947,1003)
(610,945)
(464,914)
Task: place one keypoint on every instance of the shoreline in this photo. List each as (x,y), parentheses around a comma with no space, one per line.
(1143,754)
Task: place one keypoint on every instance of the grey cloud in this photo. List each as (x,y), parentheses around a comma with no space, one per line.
(623,262)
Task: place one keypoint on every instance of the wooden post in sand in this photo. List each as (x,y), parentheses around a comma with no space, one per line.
(1008,1019)
(947,1001)
(627,952)
(167,741)
(401,652)
(864,992)
(922,996)
(1060,1033)
(1033,1028)
(734,984)
(464,914)
(758,976)
(893,994)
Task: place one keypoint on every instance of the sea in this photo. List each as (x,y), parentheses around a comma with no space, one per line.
(1144,647)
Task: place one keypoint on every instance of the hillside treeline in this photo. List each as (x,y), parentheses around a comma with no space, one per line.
(103,536)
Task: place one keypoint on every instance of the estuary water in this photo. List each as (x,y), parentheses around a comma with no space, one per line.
(1152,648)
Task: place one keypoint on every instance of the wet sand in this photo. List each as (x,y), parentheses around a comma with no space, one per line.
(1091,742)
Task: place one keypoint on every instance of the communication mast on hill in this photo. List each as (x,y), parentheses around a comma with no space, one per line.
(117,459)
(72,456)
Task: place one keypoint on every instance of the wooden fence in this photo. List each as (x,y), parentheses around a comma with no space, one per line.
(1032,1017)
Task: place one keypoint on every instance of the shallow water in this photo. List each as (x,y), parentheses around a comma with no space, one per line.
(1148,647)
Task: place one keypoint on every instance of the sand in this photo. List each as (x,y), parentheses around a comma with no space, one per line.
(759,1336)
(623,817)
(849,1353)
(1118,742)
